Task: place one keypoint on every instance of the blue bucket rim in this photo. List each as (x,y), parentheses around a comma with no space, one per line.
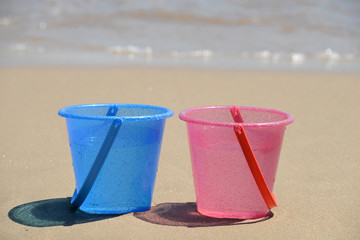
(64,112)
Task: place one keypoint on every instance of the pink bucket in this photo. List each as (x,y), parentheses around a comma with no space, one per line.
(225,186)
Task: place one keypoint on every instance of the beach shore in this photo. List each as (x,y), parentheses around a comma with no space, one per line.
(317,179)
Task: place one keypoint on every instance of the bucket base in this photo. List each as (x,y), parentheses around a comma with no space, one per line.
(233,214)
(120,210)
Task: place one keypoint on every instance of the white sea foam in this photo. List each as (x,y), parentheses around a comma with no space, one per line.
(297,58)
(328,55)
(264,55)
(200,53)
(25,48)
(130,50)
(20,47)
(5,21)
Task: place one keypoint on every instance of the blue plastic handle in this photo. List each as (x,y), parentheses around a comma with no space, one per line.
(80,196)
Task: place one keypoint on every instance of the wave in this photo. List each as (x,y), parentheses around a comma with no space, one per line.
(183,17)
(287,22)
(328,55)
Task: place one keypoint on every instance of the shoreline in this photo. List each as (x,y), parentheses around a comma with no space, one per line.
(132,67)
(232,63)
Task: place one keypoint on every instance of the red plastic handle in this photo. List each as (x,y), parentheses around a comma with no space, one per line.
(269,197)
(235,112)
(254,167)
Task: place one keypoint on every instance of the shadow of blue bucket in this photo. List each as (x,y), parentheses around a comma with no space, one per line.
(52,212)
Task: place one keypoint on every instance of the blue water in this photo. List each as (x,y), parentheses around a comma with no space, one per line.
(126,181)
(322,35)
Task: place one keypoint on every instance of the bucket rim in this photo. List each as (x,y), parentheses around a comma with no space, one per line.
(166,113)
(286,121)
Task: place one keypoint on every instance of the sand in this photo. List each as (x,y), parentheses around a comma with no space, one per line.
(317,185)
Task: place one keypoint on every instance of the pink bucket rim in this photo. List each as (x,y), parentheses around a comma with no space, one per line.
(286,121)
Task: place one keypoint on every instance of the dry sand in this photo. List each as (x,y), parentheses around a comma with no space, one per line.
(317,184)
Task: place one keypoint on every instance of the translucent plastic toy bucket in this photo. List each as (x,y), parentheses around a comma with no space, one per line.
(224,185)
(115,150)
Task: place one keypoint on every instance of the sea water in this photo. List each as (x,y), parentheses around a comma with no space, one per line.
(321,35)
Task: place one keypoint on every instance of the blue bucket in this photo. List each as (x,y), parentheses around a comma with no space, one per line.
(115,151)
